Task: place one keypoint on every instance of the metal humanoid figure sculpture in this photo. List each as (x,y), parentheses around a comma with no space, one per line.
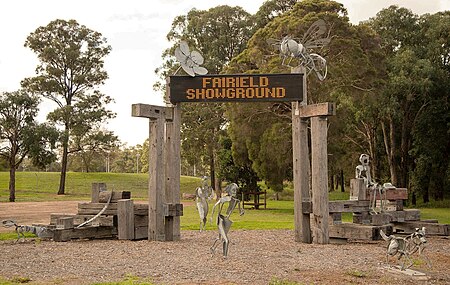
(202,195)
(363,171)
(223,221)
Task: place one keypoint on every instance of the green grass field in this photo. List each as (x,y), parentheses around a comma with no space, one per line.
(43,186)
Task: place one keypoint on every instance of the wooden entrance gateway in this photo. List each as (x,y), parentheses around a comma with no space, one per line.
(164,146)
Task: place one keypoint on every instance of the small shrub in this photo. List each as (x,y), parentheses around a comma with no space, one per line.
(357,273)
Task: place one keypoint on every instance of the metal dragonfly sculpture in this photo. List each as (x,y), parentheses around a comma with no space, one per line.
(316,37)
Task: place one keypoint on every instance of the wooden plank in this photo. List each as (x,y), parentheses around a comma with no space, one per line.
(125,219)
(116,196)
(358,190)
(96,189)
(301,171)
(141,221)
(319,179)
(412,214)
(362,218)
(150,111)
(95,208)
(78,219)
(141,209)
(141,232)
(381,219)
(156,228)
(430,228)
(348,206)
(83,233)
(321,109)
(391,194)
(357,231)
(173,210)
(64,223)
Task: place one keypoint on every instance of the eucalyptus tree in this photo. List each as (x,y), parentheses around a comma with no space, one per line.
(21,136)
(352,76)
(219,34)
(415,98)
(430,177)
(70,70)
(93,147)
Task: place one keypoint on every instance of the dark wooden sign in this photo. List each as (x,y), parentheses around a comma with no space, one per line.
(237,88)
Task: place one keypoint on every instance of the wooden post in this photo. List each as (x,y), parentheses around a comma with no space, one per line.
(125,219)
(319,179)
(301,175)
(358,189)
(96,189)
(156,229)
(173,172)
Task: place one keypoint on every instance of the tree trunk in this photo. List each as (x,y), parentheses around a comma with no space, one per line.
(404,165)
(389,144)
(331,186)
(212,170)
(341,177)
(12,183)
(62,181)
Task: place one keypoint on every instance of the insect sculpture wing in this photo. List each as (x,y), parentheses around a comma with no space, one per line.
(190,61)
(274,43)
(319,66)
(315,36)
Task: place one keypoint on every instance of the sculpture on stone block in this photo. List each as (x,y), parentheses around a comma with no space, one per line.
(223,220)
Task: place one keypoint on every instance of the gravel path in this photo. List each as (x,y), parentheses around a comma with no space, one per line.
(255,257)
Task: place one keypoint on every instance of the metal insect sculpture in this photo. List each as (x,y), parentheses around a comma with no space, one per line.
(316,37)
(202,195)
(190,61)
(406,246)
(21,230)
(223,221)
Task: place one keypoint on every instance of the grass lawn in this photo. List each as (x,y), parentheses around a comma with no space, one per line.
(43,186)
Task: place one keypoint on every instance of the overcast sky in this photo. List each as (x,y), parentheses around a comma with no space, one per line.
(136,30)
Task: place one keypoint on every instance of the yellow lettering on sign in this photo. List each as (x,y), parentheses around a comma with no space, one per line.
(206,81)
(263,81)
(190,94)
(217,82)
(281,92)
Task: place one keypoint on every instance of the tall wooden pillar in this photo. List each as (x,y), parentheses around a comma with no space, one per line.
(316,113)
(319,181)
(156,229)
(164,209)
(173,171)
(301,167)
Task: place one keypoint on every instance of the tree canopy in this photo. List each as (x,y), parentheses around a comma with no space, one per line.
(71,68)
(21,136)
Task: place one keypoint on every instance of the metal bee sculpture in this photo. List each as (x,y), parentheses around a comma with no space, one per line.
(190,61)
(316,37)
